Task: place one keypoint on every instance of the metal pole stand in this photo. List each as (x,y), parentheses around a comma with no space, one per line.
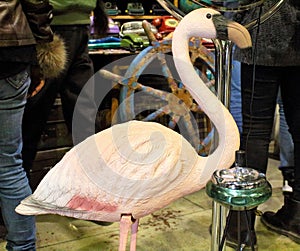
(236,189)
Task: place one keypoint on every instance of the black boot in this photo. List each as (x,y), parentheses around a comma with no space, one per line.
(286,221)
(247,238)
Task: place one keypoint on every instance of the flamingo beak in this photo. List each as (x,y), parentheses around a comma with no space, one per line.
(227,29)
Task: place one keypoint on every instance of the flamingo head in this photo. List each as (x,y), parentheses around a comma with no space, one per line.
(209,23)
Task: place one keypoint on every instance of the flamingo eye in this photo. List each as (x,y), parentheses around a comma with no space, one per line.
(208,15)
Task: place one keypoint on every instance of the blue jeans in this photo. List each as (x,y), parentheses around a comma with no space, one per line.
(235,97)
(14,185)
(286,145)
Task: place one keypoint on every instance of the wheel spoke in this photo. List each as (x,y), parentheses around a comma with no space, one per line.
(154,115)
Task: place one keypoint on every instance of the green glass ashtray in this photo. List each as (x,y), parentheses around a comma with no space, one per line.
(239,188)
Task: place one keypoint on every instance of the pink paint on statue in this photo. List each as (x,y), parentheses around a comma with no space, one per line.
(84,203)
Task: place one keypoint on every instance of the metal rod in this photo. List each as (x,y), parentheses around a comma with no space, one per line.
(253,24)
(219,214)
(228,46)
(171,8)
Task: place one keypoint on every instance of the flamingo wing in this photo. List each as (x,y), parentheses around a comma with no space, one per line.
(131,168)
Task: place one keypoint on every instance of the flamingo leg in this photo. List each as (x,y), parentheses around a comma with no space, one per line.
(134,230)
(125,224)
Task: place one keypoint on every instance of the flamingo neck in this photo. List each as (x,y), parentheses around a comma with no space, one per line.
(223,155)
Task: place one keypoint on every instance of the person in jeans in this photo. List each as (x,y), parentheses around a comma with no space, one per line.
(23,24)
(273,62)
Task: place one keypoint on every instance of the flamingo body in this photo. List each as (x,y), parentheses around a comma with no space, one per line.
(131,168)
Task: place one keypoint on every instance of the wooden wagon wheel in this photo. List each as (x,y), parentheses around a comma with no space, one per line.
(168,103)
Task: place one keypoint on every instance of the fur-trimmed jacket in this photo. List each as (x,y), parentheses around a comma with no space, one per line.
(26,39)
(24,22)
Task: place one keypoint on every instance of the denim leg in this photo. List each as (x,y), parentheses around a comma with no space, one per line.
(14,184)
(235,94)
(286,144)
(258,107)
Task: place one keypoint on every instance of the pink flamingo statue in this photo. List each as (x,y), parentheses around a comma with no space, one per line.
(133,169)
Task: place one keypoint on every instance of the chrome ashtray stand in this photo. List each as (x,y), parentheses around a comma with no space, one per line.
(235,189)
